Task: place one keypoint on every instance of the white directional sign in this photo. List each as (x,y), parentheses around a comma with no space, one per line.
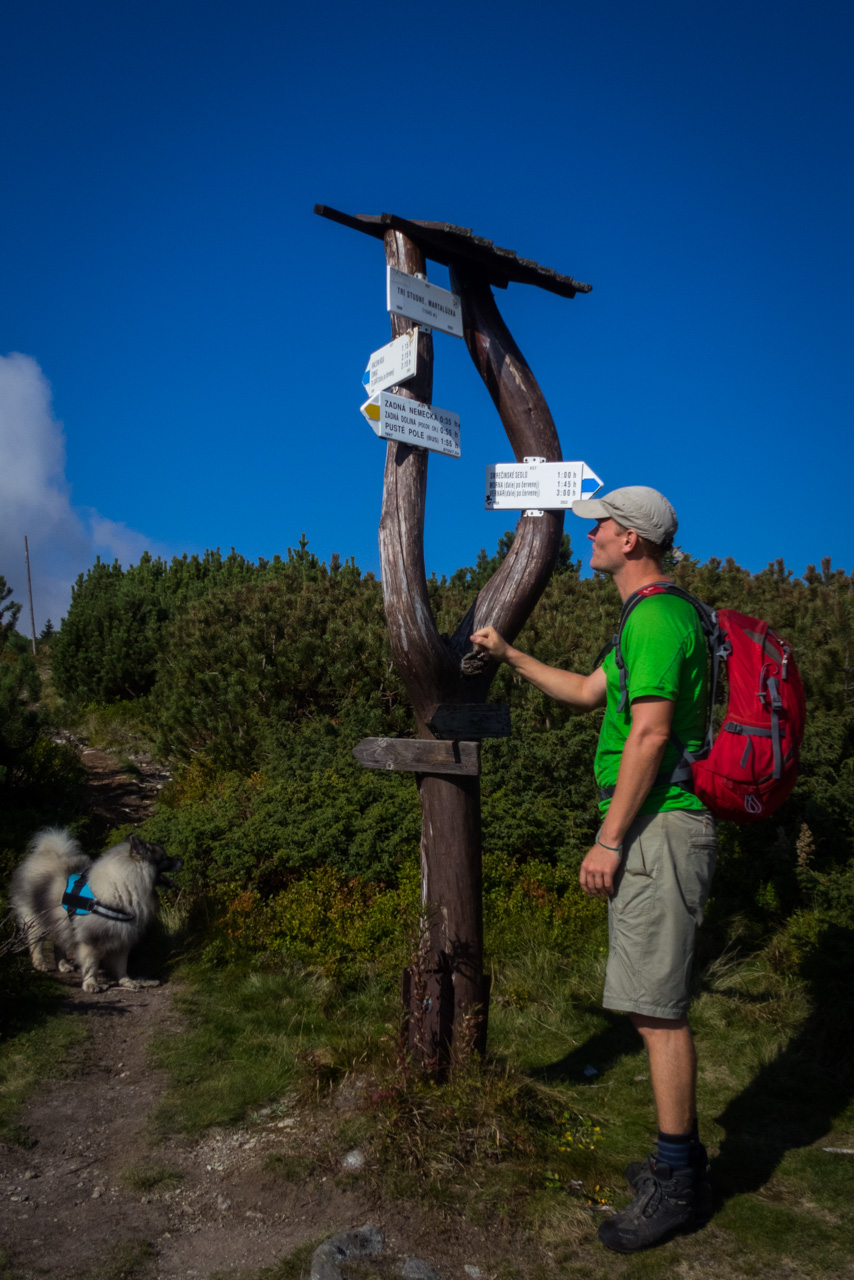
(411,422)
(548,486)
(425,303)
(393,363)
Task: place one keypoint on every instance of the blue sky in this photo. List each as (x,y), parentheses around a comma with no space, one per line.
(182,340)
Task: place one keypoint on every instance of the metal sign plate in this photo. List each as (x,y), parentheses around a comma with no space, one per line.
(411,422)
(424,303)
(393,363)
(550,486)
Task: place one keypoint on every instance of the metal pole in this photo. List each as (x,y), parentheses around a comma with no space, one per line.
(30,589)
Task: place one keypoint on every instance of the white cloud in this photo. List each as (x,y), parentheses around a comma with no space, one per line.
(35,500)
(112,540)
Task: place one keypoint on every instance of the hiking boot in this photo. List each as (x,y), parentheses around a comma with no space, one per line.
(703,1197)
(664,1205)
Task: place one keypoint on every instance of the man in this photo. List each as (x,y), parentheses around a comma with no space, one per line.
(656,848)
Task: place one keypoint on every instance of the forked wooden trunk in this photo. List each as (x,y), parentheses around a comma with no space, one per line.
(446,993)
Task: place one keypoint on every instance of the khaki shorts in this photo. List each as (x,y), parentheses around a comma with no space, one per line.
(662,887)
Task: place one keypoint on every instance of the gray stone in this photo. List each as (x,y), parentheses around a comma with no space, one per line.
(364,1242)
(353,1161)
(418,1269)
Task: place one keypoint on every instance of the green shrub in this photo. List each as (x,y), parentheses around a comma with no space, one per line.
(257,831)
(48,787)
(269,674)
(351,928)
(346,928)
(109,645)
(20,686)
(245,664)
(538,904)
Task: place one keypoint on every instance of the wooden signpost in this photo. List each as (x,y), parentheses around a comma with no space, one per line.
(445,678)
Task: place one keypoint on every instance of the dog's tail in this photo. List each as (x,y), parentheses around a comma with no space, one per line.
(38,882)
(56,845)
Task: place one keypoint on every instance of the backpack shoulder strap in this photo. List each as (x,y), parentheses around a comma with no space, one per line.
(707,615)
(708,622)
(718,649)
(629,605)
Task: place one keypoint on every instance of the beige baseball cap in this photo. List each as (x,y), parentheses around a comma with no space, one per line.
(636,507)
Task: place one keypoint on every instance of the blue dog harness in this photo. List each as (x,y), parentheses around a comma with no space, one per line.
(79,900)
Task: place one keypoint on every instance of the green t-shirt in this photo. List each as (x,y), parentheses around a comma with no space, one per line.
(666,656)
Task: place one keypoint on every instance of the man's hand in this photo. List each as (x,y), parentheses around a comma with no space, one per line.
(598,869)
(584,692)
(489,641)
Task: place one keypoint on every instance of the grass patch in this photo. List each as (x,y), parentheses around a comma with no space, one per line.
(146,1177)
(125,1260)
(295,1266)
(537,1136)
(782,1227)
(36,1037)
(290,1168)
(7,1270)
(119,727)
(255,1036)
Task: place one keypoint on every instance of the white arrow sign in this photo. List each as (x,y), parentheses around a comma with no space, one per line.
(426,303)
(548,486)
(411,422)
(393,363)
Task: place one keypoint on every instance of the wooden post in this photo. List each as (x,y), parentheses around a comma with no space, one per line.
(445,991)
(450,805)
(451,884)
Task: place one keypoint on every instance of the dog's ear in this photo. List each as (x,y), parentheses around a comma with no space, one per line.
(145,851)
(138,847)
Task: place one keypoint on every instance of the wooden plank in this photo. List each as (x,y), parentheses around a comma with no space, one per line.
(419,755)
(470,720)
(449,245)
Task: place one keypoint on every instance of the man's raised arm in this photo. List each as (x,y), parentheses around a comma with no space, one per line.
(584,692)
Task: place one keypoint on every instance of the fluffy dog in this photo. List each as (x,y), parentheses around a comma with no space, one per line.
(92,912)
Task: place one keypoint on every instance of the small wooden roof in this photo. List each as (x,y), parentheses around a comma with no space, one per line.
(448,244)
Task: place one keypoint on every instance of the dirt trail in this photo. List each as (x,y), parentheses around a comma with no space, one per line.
(119,795)
(68,1201)
(84,1188)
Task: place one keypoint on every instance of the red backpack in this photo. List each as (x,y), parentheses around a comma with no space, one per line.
(746,770)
